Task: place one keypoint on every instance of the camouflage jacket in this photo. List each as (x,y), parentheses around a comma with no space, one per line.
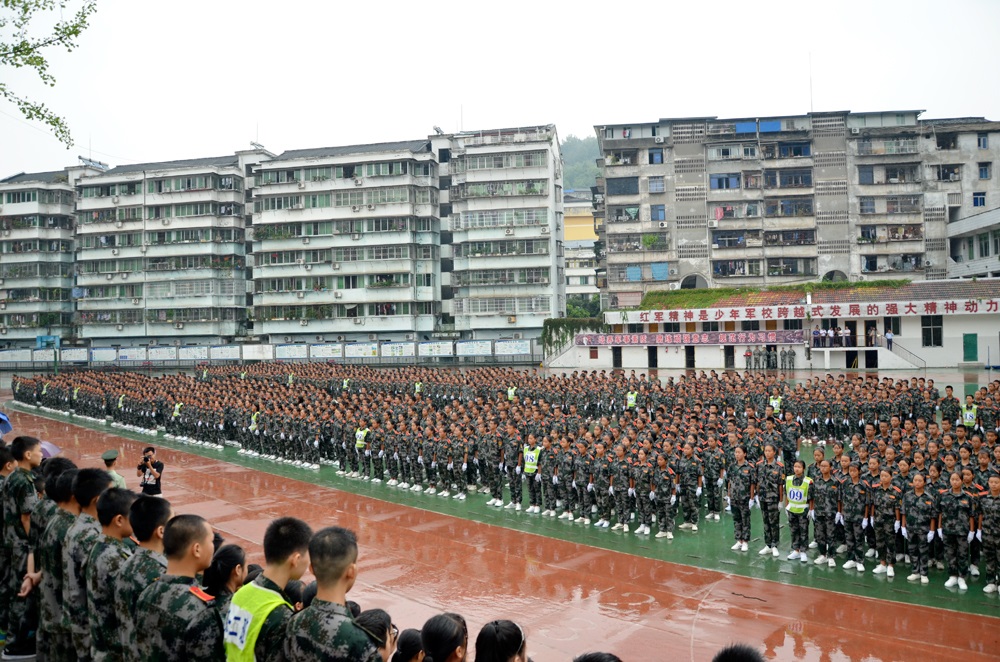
(326,631)
(103,564)
(49,559)
(80,539)
(176,621)
(139,571)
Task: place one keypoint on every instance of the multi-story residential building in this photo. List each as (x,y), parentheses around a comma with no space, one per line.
(160,252)
(975,245)
(346,243)
(699,202)
(502,247)
(36,255)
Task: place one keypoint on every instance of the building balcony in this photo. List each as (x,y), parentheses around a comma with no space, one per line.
(886,147)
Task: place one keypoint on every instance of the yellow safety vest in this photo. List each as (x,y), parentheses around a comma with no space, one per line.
(359,437)
(177,409)
(249,609)
(510,392)
(418,387)
(630,399)
(531,459)
(776,405)
(798,495)
(969,415)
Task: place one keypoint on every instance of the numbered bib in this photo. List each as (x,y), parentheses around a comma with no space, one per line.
(795,495)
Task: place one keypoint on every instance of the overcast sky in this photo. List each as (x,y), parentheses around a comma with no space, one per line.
(154,81)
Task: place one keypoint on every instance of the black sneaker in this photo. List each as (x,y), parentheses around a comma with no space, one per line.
(19,650)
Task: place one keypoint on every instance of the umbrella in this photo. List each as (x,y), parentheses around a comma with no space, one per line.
(49,449)
(5,425)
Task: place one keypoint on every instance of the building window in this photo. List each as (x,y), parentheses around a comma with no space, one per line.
(671,327)
(979,199)
(593,352)
(996,242)
(930,326)
(750,325)
(657,212)
(867,205)
(984,244)
(656,185)
(866,175)
(709,326)
(891,324)
(793,325)
(983,140)
(656,155)
(725,181)
(985,170)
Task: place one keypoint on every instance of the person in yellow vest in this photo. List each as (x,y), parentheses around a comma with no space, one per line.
(511,393)
(418,388)
(346,384)
(362,454)
(532,452)
(291,378)
(970,415)
(775,402)
(259,612)
(799,505)
(631,400)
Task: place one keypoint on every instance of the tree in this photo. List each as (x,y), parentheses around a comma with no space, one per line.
(20,49)
(579,156)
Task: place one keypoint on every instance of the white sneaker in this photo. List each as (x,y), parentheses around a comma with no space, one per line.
(685,525)
(404,486)
(765,551)
(831,562)
(392,482)
(913,578)
(952,581)
(774,552)
(906,559)
(491,502)
(841,549)
(860,567)
(517,507)
(625,528)
(813,545)
(460,497)
(509,505)
(744,547)
(820,560)
(376,480)
(870,553)
(793,555)
(736,547)
(606,524)
(457,496)
(431,490)
(579,520)
(418,488)
(803,558)
(940,565)
(962,586)
(990,588)
(586,521)
(663,534)
(694,528)
(848,565)
(899,558)
(890,573)
(924,579)
(974,570)
(880,569)
(444,494)
(617,527)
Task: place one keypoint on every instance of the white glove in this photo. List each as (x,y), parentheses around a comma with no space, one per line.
(611,490)
(573,484)
(756,501)
(590,487)
(939,534)
(316,443)
(381,454)
(451,465)
(903,531)
(788,508)
(864,523)
(796,455)
(652,496)
(750,503)
(631,491)
(972,534)
(812,515)
(555,480)
(395,456)
(895,526)
(368,453)
(538,478)
(673,499)
(720,482)
(839,518)
(697,492)
(434,464)
(343,444)
(930,536)
(465,466)
(979,535)
(420,459)
(500,466)
(517,470)
(475,461)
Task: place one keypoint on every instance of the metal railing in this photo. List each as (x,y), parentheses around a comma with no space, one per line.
(908,355)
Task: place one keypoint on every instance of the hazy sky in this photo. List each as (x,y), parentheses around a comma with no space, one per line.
(155,81)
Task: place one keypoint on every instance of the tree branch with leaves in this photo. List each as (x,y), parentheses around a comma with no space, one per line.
(21,46)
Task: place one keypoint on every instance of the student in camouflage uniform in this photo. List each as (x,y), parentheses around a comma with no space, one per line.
(105,561)
(546,472)
(19,499)
(582,473)
(770,492)
(619,487)
(513,461)
(989,527)
(664,496)
(741,476)
(714,459)
(642,487)
(690,477)
(918,511)
(88,485)
(855,497)
(826,500)
(54,640)
(950,406)
(326,630)
(148,517)
(532,454)
(956,526)
(885,519)
(565,462)
(175,619)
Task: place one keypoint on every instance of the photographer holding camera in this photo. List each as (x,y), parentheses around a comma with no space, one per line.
(150,470)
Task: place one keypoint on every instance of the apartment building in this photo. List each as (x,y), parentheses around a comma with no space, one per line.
(160,252)
(36,255)
(702,202)
(502,250)
(975,245)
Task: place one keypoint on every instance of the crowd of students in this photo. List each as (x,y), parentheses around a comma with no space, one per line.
(900,473)
(102,573)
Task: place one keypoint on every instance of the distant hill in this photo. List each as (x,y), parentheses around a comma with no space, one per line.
(580,169)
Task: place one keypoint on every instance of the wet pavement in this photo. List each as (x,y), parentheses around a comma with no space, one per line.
(570,597)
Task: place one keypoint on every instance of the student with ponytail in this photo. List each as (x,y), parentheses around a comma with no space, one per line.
(225,575)
(501,641)
(445,638)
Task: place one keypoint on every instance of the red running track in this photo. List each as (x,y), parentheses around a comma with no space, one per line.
(569,598)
